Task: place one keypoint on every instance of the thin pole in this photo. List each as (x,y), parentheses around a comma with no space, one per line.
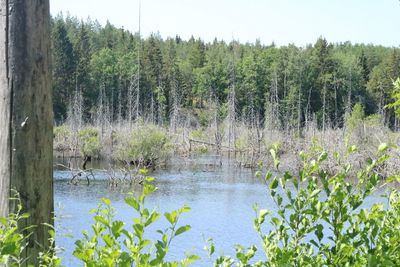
(138,61)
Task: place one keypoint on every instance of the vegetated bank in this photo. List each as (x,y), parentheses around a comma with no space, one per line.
(197,97)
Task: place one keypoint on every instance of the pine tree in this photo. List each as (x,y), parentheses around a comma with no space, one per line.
(63,70)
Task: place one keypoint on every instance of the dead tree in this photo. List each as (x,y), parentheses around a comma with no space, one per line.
(231,116)
(174,105)
(26,123)
(272,105)
(75,119)
(133,99)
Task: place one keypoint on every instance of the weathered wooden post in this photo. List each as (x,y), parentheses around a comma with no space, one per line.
(26,116)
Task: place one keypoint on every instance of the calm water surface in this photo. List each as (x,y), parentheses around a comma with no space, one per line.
(221,198)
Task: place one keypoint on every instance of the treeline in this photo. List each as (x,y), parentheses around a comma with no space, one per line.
(96,69)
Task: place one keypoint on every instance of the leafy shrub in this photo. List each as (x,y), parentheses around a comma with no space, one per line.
(320,219)
(89,142)
(62,138)
(241,142)
(198,134)
(146,145)
(355,119)
(112,244)
(14,240)
(396,98)
(202,149)
(204,118)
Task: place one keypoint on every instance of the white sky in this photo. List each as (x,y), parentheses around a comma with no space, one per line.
(282,21)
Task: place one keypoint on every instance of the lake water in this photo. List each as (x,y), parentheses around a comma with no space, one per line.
(221,198)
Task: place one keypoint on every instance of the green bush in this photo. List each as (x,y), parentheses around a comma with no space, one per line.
(320,220)
(395,105)
(62,138)
(146,145)
(204,118)
(355,119)
(202,149)
(198,134)
(112,244)
(13,240)
(89,142)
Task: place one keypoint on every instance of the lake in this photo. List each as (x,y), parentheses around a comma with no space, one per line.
(221,197)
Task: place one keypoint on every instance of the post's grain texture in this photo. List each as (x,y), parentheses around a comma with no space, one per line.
(5,114)
(26,115)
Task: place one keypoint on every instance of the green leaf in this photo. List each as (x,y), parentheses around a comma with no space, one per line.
(393,178)
(149,179)
(25,215)
(148,189)
(274,184)
(152,218)
(3,221)
(351,149)
(190,259)
(139,230)
(319,232)
(322,157)
(171,217)
(9,249)
(102,220)
(116,228)
(263,214)
(275,157)
(268,176)
(131,201)
(275,221)
(108,240)
(383,147)
(287,176)
(182,229)
(106,201)
(185,209)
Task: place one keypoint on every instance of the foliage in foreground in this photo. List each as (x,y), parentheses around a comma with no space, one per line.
(13,240)
(321,220)
(112,244)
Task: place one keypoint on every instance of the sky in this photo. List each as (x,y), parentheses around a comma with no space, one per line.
(300,22)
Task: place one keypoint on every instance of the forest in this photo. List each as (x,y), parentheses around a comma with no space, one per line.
(112,72)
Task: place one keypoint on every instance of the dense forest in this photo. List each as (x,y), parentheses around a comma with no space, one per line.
(97,69)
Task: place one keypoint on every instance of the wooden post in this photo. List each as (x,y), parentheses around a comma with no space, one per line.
(26,116)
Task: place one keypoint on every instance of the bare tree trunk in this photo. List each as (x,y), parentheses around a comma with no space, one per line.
(275,102)
(349,95)
(137,91)
(336,123)
(175,104)
(133,100)
(324,107)
(161,104)
(231,116)
(26,139)
(152,107)
(299,110)
(119,114)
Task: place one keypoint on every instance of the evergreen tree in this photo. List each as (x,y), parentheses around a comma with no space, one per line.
(63,70)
